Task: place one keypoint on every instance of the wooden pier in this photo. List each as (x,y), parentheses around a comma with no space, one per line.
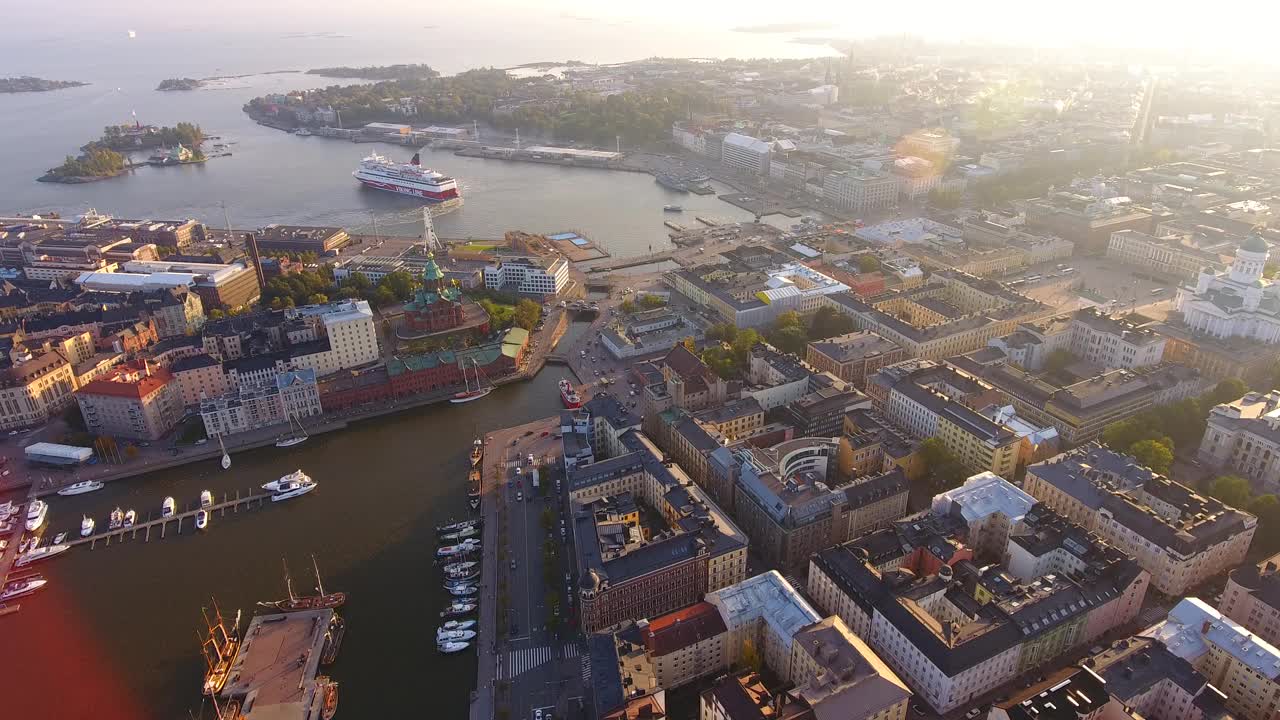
(184,521)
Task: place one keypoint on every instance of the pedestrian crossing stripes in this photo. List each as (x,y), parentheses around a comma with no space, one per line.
(586,671)
(523,660)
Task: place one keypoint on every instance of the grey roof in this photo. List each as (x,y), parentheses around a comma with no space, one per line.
(732,410)
(606,680)
(612,410)
(876,488)
(854,346)
(193,362)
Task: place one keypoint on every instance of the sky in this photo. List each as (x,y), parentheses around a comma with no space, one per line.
(1233,26)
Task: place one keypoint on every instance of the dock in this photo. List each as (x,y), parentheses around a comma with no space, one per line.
(276,672)
(175,524)
(673,225)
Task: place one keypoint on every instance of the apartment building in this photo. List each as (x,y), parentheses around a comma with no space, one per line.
(1252,598)
(745,153)
(131,402)
(774,379)
(288,397)
(1244,667)
(840,676)
(853,356)
(1177,535)
(1142,675)
(1163,254)
(1114,342)
(34,389)
(860,189)
(684,645)
(538,277)
(821,413)
(350,337)
(766,612)
(199,377)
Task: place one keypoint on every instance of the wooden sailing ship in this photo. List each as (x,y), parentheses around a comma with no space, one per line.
(296,603)
(219,646)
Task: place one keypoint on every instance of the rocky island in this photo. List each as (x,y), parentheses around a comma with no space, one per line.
(180,84)
(96,163)
(27,83)
(381,72)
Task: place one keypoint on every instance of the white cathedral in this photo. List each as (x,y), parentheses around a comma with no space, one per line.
(1237,303)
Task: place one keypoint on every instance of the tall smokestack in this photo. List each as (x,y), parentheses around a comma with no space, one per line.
(251,244)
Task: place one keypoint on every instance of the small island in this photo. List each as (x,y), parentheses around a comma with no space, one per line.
(381,72)
(27,83)
(96,163)
(180,84)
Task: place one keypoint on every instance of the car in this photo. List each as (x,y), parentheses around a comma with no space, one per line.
(514,442)
(975,712)
(537,714)
(519,496)
(546,433)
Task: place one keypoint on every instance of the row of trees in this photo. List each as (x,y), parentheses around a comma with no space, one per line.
(1153,435)
(311,287)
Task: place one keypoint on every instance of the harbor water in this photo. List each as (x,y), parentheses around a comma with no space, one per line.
(120,623)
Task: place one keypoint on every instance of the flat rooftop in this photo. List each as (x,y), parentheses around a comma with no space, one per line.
(274,672)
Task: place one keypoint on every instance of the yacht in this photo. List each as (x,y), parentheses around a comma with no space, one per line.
(167,508)
(206,498)
(452,647)
(459,624)
(36,514)
(458,608)
(42,553)
(117,519)
(20,588)
(673,208)
(202,519)
(287,482)
(461,534)
(462,575)
(81,487)
(463,547)
(130,517)
(292,491)
(463,590)
(455,527)
(443,635)
(86,526)
(460,566)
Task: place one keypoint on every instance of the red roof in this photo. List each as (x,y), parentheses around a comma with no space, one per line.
(117,388)
(682,628)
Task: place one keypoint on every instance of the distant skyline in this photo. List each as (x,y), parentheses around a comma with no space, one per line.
(1236,28)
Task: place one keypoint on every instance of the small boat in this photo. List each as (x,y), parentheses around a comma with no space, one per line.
(81,487)
(202,519)
(333,639)
(458,608)
(477,454)
(206,499)
(463,576)
(463,590)
(167,507)
(459,625)
(219,646)
(130,517)
(36,514)
(329,698)
(226,456)
(35,542)
(288,482)
(59,538)
(455,527)
(452,646)
(474,503)
(296,438)
(461,534)
(302,132)
(469,394)
(293,492)
(20,588)
(117,519)
(460,566)
(673,208)
(443,635)
(43,553)
(466,546)
(86,526)
(25,545)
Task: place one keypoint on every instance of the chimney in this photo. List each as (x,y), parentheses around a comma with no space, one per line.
(251,245)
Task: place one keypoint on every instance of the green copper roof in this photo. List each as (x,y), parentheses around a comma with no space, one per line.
(1254,243)
(432,272)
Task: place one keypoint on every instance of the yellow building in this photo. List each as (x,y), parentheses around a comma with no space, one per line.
(979,443)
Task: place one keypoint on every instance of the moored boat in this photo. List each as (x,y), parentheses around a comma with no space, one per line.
(463,591)
(460,566)
(466,546)
(286,482)
(59,538)
(130,517)
(443,635)
(37,512)
(568,395)
(295,603)
(293,492)
(81,488)
(455,527)
(206,499)
(202,519)
(41,553)
(477,452)
(86,526)
(452,646)
(458,608)
(219,646)
(20,588)
(167,507)
(459,625)
(333,639)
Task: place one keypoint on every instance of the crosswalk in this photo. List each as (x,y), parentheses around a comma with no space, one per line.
(523,660)
(586,671)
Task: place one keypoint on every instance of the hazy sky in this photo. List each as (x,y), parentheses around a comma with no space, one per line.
(1234,25)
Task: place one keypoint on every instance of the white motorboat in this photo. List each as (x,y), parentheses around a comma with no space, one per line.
(463,590)
(288,482)
(22,587)
(130,517)
(35,542)
(452,647)
(167,507)
(43,553)
(293,491)
(461,534)
(202,519)
(459,624)
(86,526)
(465,546)
(117,519)
(36,514)
(206,498)
(59,538)
(443,635)
(81,487)
(458,608)
(460,566)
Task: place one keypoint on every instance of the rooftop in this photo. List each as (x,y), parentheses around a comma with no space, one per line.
(1192,626)
(767,597)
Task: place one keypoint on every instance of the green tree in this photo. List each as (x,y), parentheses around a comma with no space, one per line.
(526,314)
(828,322)
(751,659)
(401,284)
(317,299)
(627,306)
(216,314)
(868,263)
(1232,490)
(1154,454)
(1228,390)
(790,339)
(690,344)
(382,297)
(651,302)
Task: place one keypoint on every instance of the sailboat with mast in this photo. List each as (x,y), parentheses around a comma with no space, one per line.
(226,457)
(296,438)
(295,603)
(482,388)
(219,646)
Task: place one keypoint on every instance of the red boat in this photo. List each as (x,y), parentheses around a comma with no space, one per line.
(568,395)
(307,602)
